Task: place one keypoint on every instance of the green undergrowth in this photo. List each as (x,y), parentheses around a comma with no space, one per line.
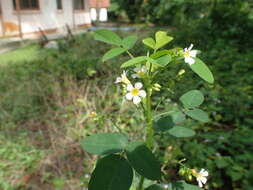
(27,52)
(50,99)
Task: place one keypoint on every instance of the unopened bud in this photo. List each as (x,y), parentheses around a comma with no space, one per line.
(189,177)
(156,87)
(181,72)
(182,171)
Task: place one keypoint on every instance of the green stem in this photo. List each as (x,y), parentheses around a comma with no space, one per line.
(149,122)
(140,183)
(149,118)
(131,55)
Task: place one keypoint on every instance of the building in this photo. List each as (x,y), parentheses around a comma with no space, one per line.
(28,17)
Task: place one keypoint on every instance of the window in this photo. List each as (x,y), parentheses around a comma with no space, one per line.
(26,4)
(78,4)
(59,4)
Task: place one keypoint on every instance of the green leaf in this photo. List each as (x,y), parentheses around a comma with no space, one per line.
(168,120)
(113,53)
(107,36)
(201,69)
(198,114)
(111,173)
(162,39)
(129,42)
(154,62)
(181,185)
(178,131)
(105,143)
(192,99)
(164,60)
(155,187)
(133,61)
(143,160)
(159,54)
(150,42)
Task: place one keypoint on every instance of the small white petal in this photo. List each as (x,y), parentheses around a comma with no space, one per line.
(142,93)
(138,85)
(124,73)
(129,96)
(136,69)
(204,173)
(135,76)
(189,60)
(199,183)
(118,80)
(191,46)
(144,69)
(136,99)
(185,49)
(129,87)
(203,180)
(186,59)
(193,53)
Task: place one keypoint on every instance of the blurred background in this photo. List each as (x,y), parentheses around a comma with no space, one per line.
(52,97)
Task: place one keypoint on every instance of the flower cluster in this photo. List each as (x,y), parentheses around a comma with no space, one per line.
(200,176)
(134,92)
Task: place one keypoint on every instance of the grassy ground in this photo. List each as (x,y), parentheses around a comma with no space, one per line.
(26,53)
(47,98)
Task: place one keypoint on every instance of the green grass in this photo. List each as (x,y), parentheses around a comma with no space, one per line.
(46,101)
(28,52)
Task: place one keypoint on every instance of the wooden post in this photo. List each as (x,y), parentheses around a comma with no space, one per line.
(19,18)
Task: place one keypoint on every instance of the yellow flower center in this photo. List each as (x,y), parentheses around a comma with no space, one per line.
(141,74)
(135,92)
(187,53)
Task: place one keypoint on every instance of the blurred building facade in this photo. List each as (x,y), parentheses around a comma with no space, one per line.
(29,17)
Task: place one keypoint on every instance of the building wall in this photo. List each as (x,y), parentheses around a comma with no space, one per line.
(47,18)
(99,3)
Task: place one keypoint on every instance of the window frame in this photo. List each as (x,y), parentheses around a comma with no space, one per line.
(57,5)
(79,9)
(26,9)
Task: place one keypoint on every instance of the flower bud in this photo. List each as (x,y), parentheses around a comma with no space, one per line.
(182,172)
(181,72)
(189,177)
(156,87)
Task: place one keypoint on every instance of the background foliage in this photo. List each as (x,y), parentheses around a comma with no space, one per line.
(47,98)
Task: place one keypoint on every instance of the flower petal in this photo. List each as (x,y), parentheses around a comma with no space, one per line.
(191,46)
(193,53)
(129,87)
(136,99)
(189,60)
(144,69)
(142,93)
(134,76)
(200,183)
(118,80)
(137,69)
(203,172)
(138,85)
(203,180)
(129,96)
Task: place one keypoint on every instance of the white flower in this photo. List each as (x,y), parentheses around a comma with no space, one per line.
(134,92)
(123,78)
(189,55)
(140,72)
(202,177)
